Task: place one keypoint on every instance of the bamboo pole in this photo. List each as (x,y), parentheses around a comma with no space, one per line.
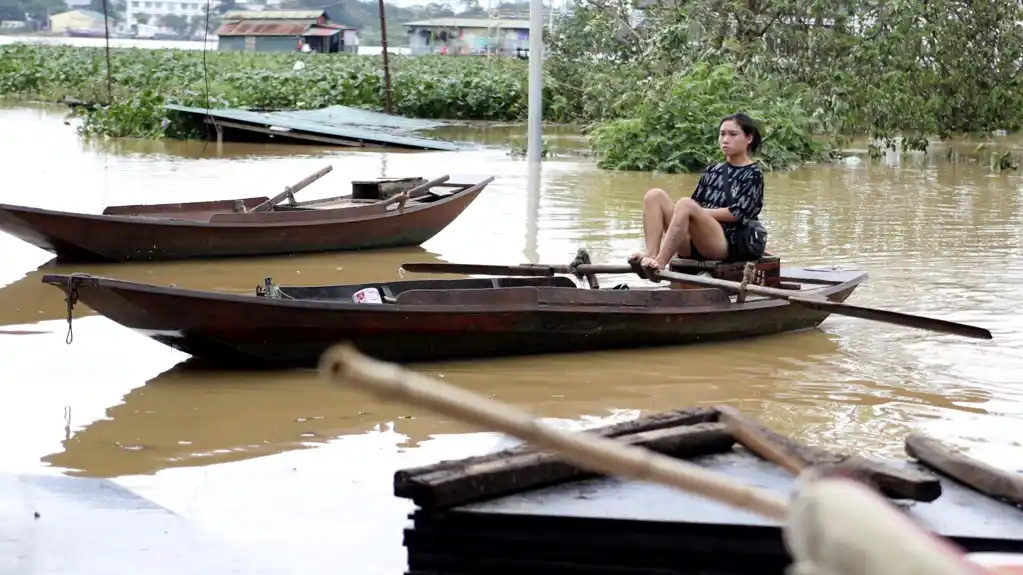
(383,49)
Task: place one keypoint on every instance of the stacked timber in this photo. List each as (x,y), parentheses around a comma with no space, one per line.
(527,511)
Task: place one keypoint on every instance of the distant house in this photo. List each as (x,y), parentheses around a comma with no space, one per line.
(284,31)
(150,12)
(508,37)
(77,21)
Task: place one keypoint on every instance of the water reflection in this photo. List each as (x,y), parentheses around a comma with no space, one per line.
(191,415)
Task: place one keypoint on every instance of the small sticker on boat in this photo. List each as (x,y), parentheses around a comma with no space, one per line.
(367,295)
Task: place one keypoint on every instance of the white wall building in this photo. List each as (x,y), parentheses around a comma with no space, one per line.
(157,8)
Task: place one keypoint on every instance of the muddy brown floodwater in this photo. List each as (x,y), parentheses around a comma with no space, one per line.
(279,458)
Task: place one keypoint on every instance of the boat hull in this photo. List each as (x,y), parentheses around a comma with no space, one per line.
(246,330)
(121,238)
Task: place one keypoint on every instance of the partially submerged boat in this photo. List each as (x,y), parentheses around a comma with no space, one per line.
(377,214)
(446,319)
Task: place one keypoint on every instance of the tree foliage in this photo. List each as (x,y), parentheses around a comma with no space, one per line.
(909,68)
(678,131)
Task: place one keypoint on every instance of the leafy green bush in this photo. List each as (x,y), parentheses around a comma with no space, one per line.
(144,80)
(650,122)
(674,128)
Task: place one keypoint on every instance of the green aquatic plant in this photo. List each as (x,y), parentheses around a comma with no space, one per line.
(634,126)
(675,128)
(144,80)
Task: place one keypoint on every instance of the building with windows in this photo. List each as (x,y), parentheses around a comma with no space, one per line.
(78,21)
(152,10)
(465,36)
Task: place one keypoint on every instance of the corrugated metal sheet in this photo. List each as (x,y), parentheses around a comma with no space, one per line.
(273,43)
(273,14)
(263,28)
(322,31)
(231,44)
(337,121)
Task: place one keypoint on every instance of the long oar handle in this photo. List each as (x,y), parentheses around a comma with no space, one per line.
(542,270)
(818,303)
(343,364)
(290,191)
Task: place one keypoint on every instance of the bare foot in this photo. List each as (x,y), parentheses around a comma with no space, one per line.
(651,263)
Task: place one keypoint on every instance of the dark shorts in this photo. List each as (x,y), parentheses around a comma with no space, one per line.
(732,250)
(696,255)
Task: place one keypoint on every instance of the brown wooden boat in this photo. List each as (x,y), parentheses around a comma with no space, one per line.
(441,319)
(377,214)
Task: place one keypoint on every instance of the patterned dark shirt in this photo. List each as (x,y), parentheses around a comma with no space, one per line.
(746,200)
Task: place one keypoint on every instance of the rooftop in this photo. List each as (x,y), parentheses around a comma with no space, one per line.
(273,14)
(89,13)
(263,28)
(469,23)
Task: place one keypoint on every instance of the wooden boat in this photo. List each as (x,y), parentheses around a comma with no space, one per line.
(377,214)
(441,319)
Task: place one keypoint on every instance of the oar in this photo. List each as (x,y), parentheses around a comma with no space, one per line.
(817,303)
(541,270)
(831,524)
(824,304)
(290,191)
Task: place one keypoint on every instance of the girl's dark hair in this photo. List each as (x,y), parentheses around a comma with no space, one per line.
(749,127)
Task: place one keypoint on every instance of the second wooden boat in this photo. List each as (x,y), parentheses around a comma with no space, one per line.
(377,214)
(440,319)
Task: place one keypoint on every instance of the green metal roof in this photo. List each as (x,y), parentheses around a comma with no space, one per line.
(338,121)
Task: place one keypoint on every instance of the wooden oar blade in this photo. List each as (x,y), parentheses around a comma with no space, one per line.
(480,269)
(894,317)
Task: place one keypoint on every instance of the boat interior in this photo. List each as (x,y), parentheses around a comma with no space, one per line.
(367,198)
(552,290)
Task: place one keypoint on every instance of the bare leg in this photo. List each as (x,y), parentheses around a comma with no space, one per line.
(690,224)
(657,209)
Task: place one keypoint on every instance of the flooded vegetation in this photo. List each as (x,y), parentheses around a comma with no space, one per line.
(906,172)
(643,90)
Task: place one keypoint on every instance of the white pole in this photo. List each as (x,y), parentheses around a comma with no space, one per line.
(535,80)
(532,213)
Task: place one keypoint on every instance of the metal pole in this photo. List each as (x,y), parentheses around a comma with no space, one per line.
(383,45)
(535,80)
(532,213)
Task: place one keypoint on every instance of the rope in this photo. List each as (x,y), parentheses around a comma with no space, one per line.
(747,277)
(71,299)
(582,257)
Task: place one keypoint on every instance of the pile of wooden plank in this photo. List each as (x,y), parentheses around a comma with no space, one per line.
(524,511)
